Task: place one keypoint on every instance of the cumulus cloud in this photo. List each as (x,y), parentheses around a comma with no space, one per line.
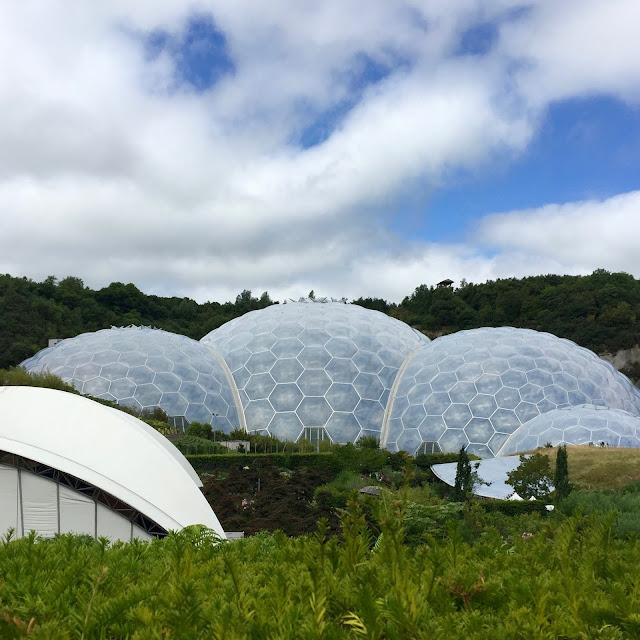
(114,167)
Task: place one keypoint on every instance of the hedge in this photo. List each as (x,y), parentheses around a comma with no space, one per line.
(513,508)
(206,463)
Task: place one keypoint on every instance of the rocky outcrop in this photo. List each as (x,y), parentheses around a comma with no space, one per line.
(624,358)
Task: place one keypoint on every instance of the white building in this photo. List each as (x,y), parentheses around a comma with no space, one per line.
(69,464)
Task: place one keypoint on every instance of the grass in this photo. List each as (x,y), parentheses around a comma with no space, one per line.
(596,468)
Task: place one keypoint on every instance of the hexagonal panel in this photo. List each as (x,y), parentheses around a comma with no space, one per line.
(341,348)
(342,370)
(141,375)
(314,358)
(166,382)
(96,386)
(508,398)
(285,397)
(147,395)
(192,392)
(105,357)
(368,386)
(457,416)
(286,370)
(314,412)
(258,414)
(314,382)
(367,362)
(285,426)
(369,414)
(343,427)
(342,397)
(287,348)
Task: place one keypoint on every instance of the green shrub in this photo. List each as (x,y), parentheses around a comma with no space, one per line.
(193,445)
(199,429)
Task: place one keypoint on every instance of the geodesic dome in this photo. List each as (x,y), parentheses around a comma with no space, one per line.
(315,369)
(475,388)
(583,424)
(146,368)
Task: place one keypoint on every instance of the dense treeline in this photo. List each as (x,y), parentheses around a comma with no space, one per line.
(32,312)
(600,311)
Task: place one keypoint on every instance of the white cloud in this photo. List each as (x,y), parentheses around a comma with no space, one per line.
(583,234)
(575,48)
(110,169)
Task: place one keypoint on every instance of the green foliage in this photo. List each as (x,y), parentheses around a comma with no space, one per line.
(464,481)
(19,377)
(195,445)
(600,311)
(199,429)
(561,477)
(32,312)
(337,492)
(532,477)
(162,427)
(368,442)
(564,579)
(513,507)
(624,505)
(208,463)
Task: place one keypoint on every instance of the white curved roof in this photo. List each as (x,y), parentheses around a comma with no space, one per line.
(107,448)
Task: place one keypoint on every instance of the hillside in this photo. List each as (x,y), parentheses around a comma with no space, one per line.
(600,311)
(594,468)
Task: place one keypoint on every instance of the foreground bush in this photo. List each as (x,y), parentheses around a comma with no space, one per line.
(571,579)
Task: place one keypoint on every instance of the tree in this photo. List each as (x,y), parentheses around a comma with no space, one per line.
(463,486)
(532,477)
(199,429)
(368,442)
(561,478)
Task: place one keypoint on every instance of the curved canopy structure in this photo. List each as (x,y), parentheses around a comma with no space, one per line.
(475,388)
(146,368)
(315,369)
(584,424)
(100,452)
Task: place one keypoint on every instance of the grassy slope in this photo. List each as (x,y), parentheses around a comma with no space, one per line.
(595,468)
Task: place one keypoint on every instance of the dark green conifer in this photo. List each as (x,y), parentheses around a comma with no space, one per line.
(561,478)
(463,483)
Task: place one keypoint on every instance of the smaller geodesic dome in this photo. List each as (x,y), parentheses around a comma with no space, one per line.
(584,424)
(146,368)
(69,464)
(474,388)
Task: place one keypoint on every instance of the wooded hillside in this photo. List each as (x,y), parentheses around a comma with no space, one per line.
(600,311)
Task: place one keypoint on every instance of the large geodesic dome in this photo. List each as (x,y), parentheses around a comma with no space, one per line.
(583,424)
(475,388)
(316,370)
(146,368)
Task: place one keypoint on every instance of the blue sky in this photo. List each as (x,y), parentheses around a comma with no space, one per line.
(356,148)
(584,148)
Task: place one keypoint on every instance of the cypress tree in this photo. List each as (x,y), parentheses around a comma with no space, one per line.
(561,478)
(462,485)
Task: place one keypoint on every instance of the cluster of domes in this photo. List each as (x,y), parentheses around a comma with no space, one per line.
(475,388)
(339,371)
